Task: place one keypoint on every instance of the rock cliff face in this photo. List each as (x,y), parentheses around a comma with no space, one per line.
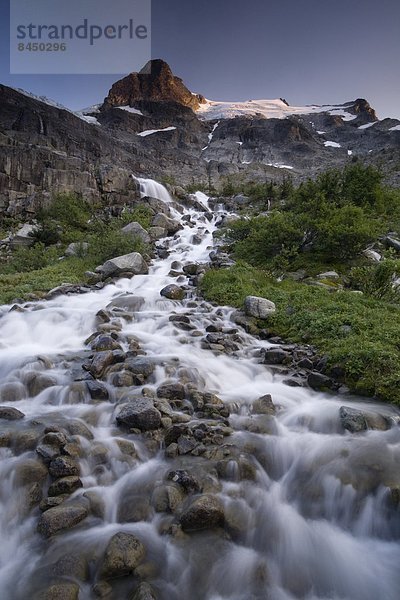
(151,125)
(154,83)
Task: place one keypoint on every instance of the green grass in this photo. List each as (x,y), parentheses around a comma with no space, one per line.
(22,285)
(369,353)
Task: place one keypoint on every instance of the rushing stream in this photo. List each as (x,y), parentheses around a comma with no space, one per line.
(311,510)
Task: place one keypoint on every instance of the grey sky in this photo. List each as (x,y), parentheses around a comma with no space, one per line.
(308,51)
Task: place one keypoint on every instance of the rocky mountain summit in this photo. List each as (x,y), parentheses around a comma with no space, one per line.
(150,124)
(154,83)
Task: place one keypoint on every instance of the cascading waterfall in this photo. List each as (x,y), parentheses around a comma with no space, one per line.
(153,189)
(308,512)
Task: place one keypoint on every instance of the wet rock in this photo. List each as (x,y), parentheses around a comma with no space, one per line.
(54,438)
(61,517)
(173,292)
(133,263)
(63,466)
(167,498)
(355,420)
(191,269)
(128,302)
(30,471)
(98,391)
(205,512)
(65,485)
(135,230)
(144,592)
(166,223)
(8,413)
(318,381)
(79,428)
(102,589)
(12,392)
(103,343)
(51,502)
(259,308)
(47,452)
(99,363)
(71,565)
(185,480)
(38,382)
(34,494)
(60,591)
(140,366)
(140,413)
(133,508)
(264,406)
(171,391)
(276,356)
(124,552)
(186,444)
(121,379)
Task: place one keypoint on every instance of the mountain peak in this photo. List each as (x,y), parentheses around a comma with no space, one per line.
(154,83)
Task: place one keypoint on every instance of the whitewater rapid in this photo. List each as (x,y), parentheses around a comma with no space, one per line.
(315,522)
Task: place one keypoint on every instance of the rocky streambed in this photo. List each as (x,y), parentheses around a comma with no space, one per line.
(152,447)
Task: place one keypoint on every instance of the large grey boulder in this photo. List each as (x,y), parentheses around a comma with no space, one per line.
(123,554)
(166,223)
(135,230)
(205,512)
(257,307)
(77,249)
(356,420)
(23,236)
(141,414)
(61,517)
(128,263)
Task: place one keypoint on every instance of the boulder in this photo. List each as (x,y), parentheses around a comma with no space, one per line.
(124,552)
(128,263)
(164,222)
(65,485)
(173,292)
(141,414)
(144,592)
(264,406)
(257,307)
(10,414)
(77,249)
(329,275)
(355,420)
(205,512)
(64,516)
(66,590)
(63,466)
(135,230)
(318,381)
(276,356)
(23,236)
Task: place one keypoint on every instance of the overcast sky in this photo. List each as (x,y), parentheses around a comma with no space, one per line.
(307,51)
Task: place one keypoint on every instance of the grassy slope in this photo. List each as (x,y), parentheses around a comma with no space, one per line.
(369,352)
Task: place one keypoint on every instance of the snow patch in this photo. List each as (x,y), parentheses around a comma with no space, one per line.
(367,125)
(321,132)
(129,109)
(395,128)
(329,144)
(268,109)
(151,131)
(349,152)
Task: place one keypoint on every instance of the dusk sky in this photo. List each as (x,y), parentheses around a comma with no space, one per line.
(309,51)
